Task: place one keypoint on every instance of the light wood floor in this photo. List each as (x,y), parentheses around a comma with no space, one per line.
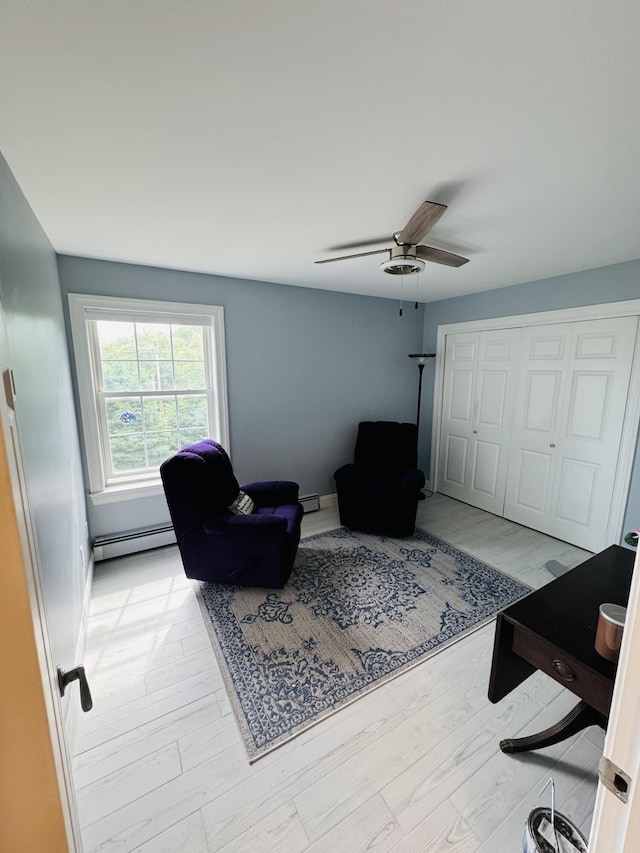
(413,766)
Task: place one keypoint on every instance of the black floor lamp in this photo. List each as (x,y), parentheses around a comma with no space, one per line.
(421,359)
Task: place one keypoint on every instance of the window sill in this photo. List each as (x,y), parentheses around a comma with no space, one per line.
(127,492)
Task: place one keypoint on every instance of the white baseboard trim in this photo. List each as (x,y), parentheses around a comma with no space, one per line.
(327,501)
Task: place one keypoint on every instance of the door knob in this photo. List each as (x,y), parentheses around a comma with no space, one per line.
(552,445)
(77,674)
(475,431)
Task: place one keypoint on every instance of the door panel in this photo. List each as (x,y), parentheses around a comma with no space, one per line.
(456,460)
(547,346)
(541,401)
(486,468)
(461,396)
(464,348)
(588,404)
(577,491)
(597,346)
(493,386)
(477,410)
(532,481)
(571,413)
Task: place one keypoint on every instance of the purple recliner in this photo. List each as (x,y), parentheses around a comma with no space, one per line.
(379,491)
(216,545)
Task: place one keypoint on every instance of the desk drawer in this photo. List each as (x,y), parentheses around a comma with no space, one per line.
(576,676)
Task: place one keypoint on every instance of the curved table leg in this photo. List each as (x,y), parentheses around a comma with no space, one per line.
(581,717)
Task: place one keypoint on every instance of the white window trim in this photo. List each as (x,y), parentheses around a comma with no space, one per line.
(81,305)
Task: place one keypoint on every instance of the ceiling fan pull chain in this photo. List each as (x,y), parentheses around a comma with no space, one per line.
(401,296)
(417,283)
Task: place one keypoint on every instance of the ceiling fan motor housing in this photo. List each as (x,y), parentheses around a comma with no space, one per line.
(402,261)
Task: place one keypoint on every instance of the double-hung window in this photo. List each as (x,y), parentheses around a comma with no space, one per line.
(151,379)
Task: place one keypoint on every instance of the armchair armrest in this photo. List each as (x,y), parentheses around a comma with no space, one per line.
(345,474)
(272,493)
(245,525)
(412,481)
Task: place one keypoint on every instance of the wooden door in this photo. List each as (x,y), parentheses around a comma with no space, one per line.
(37,808)
(479,392)
(616,823)
(569,411)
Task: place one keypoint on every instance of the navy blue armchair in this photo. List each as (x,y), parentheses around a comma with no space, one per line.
(379,491)
(216,545)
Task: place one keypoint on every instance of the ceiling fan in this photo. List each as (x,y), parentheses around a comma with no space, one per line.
(407,256)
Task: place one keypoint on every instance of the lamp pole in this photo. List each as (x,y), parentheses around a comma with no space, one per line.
(421,359)
(420,369)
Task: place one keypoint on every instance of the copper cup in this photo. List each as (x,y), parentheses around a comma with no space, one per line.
(609,630)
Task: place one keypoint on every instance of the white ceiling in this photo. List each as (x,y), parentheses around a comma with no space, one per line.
(248,138)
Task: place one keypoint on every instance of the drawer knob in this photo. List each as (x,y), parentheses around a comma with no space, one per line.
(563,670)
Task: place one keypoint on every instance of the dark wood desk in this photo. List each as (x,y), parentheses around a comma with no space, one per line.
(553,629)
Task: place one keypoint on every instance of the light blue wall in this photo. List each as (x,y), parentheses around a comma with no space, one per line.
(303,366)
(592,287)
(32,305)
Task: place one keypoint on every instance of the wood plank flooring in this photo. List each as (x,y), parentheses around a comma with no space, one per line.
(413,766)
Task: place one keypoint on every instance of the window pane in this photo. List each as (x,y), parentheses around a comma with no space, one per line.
(189,374)
(187,343)
(189,436)
(148,372)
(156,376)
(120,375)
(116,339)
(160,414)
(192,412)
(124,415)
(154,340)
(127,453)
(161,445)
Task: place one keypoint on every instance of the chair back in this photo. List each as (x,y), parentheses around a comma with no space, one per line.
(385,450)
(198,483)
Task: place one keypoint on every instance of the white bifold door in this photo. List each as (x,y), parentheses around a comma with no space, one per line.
(479,393)
(531,423)
(572,393)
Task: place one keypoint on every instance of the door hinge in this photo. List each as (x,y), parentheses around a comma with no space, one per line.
(9,388)
(614,779)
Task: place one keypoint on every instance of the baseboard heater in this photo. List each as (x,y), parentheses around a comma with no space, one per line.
(131,541)
(310,503)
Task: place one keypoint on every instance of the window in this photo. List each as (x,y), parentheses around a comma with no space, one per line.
(151,377)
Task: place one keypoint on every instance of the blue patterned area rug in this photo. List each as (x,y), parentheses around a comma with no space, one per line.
(358,610)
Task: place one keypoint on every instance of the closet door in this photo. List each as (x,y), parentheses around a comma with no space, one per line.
(479,390)
(569,412)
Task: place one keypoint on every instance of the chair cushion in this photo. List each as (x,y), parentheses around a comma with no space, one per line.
(385,450)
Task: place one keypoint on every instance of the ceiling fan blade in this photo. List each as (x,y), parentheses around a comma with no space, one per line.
(359,244)
(439,256)
(421,223)
(346,257)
